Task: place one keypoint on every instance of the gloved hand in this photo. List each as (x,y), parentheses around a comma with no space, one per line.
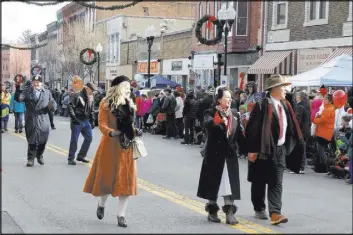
(114,133)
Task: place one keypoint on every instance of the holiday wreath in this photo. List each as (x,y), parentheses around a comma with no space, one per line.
(36,70)
(19,79)
(90,52)
(211,20)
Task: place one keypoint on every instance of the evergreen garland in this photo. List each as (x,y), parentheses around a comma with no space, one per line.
(7,46)
(84,4)
(203,40)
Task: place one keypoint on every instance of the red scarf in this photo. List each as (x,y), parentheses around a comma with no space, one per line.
(225,113)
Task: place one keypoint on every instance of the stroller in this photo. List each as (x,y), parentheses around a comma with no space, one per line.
(160,126)
(339,167)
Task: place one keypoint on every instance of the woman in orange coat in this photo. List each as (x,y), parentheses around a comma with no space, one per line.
(325,127)
(113,171)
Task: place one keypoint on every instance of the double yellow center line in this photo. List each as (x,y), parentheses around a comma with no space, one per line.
(244,225)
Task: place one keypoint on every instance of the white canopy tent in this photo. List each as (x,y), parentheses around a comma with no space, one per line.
(337,72)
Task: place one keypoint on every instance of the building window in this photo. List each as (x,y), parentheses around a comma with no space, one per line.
(207,13)
(216,4)
(242,18)
(316,13)
(350,11)
(279,15)
(230,34)
(113,48)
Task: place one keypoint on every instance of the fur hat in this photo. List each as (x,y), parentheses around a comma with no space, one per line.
(275,81)
(37,78)
(91,85)
(119,79)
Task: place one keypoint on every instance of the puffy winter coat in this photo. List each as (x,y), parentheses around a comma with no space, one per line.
(325,123)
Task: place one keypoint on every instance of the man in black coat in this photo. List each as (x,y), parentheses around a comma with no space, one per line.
(168,107)
(271,133)
(189,114)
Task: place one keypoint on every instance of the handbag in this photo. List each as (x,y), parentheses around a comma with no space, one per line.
(149,119)
(138,147)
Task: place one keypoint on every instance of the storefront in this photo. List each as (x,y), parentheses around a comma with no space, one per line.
(177,70)
(204,68)
(142,67)
(308,59)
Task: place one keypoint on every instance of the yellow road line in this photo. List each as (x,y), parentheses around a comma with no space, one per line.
(244,225)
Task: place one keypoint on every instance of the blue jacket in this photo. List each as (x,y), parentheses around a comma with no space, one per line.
(17,107)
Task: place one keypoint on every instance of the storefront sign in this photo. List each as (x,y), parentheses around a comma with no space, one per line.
(311,58)
(142,67)
(177,65)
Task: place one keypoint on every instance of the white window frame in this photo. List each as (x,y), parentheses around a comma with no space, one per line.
(215,9)
(247,20)
(308,22)
(350,11)
(276,26)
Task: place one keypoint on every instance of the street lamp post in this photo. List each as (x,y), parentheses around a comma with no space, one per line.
(150,37)
(227,17)
(99,49)
(44,71)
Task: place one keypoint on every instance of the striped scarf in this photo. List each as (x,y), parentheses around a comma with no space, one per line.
(225,113)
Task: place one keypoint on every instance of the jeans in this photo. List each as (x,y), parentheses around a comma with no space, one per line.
(19,121)
(86,130)
(4,124)
(321,152)
(189,130)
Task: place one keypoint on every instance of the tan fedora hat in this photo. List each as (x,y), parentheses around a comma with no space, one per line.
(277,80)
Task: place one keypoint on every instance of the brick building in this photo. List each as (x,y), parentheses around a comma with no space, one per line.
(242,41)
(300,35)
(169,56)
(13,62)
(130,24)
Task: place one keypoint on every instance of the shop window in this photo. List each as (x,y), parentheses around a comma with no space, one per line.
(316,13)
(279,15)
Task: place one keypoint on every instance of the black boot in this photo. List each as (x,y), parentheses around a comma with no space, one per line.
(40,160)
(30,163)
(230,210)
(100,212)
(212,210)
(122,222)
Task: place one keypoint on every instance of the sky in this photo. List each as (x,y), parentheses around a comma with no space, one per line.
(16,17)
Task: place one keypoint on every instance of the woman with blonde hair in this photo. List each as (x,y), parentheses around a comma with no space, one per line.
(113,171)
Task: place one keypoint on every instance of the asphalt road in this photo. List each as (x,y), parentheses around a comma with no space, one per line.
(49,198)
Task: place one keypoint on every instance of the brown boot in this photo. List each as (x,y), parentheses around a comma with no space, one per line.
(278,219)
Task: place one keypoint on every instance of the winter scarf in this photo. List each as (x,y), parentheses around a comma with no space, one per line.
(225,113)
(267,142)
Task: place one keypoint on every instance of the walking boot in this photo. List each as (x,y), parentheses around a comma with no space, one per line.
(122,221)
(30,163)
(230,210)
(71,162)
(40,160)
(100,212)
(212,210)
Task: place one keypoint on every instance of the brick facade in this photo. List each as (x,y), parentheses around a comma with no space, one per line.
(338,14)
(176,45)
(150,8)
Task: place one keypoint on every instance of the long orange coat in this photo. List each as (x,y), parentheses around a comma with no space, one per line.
(326,122)
(113,170)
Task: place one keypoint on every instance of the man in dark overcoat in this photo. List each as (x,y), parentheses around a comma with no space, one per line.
(39,102)
(271,133)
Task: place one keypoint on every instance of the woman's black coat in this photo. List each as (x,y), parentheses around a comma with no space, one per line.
(218,150)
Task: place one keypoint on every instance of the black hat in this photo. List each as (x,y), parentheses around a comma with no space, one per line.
(37,78)
(119,79)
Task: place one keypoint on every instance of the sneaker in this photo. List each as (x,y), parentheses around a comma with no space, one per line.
(261,215)
(82,160)
(291,172)
(302,172)
(72,163)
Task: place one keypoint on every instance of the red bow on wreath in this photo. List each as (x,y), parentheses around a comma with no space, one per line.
(209,22)
(89,54)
